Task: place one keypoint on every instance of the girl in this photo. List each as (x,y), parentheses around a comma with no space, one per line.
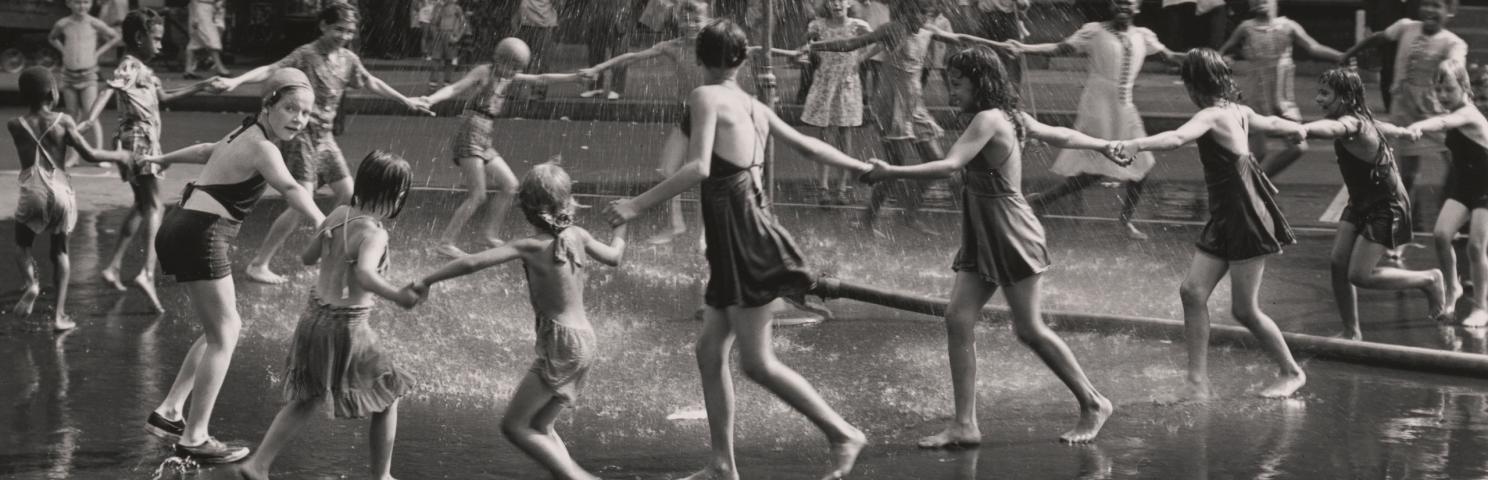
(835,100)
(472,143)
(752,260)
(1467,190)
(194,242)
(1378,217)
(566,346)
(1245,225)
(334,357)
(1002,241)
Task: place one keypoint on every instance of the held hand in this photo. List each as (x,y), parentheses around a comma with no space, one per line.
(221,85)
(422,108)
(1016,47)
(589,74)
(619,231)
(878,173)
(1415,134)
(620,212)
(408,298)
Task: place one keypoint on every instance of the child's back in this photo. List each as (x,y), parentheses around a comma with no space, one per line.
(46,197)
(554,264)
(345,232)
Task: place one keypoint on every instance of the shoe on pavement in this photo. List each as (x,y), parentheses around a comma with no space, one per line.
(167,429)
(613,95)
(590,93)
(211,451)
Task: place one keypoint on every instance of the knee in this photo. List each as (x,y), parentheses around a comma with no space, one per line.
(1476,246)
(1443,236)
(1361,275)
(1031,335)
(505,185)
(757,367)
(477,195)
(961,318)
(1192,295)
(512,427)
(1245,314)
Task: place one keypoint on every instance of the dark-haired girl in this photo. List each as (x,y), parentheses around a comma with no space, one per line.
(1002,242)
(1244,227)
(334,357)
(752,260)
(1378,217)
(194,243)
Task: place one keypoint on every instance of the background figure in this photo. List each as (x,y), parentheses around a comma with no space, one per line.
(535,21)
(449,26)
(608,24)
(999,20)
(1195,23)
(206,26)
(422,25)
(112,13)
(1379,15)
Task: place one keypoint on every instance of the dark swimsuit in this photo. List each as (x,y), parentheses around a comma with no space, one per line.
(193,245)
(1244,221)
(1378,204)
(1469,182)
(751,258)
(1001,240)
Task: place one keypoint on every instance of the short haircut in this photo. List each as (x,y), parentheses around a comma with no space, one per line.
(722,44)
(138,23)
(382,182)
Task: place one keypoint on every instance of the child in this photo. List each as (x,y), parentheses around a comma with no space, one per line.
(46,203)
(472,144)
(1378,216)
(334,356)
(449,26)
(1002,241)
(1116,50)
(1265,41)
(140,96)
(313,156)
(1467,189)
(536,20)
(904,124)
(752,260)
(76,37)
(554,261)
(1244,226)
(205,20)
(835,100)
(424,24)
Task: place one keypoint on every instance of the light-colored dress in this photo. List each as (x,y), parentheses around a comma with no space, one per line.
(1106,109)
(836,96)
(204,29)
(899,104)
(1413,96)
(1268,73)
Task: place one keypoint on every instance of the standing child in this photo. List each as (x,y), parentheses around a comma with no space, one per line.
(554,261)
(46,203)
(313,156)
(140,96)
(835,100)
(1467,191)
(1002,242)
(1245,225)
(1378,217)
(206,22)
(424,24)
(752,260)
(1116,50)
(536,20)
(1267,73)
(478,161)
(449,26)
(77,36)
(334,356)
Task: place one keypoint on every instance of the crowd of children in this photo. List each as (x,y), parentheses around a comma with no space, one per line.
(334,356)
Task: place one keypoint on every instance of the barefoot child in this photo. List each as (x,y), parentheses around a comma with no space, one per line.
(834,103)
(554,261)
(478,161)
(140,95)
(1002,241)
(334,357)
(1378,216)
(313,156)
(76,37)
(46,206)
(1245,225)
(1467,190)
(752,260)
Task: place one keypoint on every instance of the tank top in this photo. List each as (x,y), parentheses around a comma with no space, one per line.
(238,198)
(1368,181)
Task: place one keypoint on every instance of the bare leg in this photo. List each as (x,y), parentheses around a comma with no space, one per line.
(190,67)
(1129,208)
(672,156)
(500,177)
(1344,295)
(1273,165)
(473,169)
(1245,288)
(1366,271)
(1203,274)
(86,96)
(1028,323)
(287,424)
(968,296)
(1477,241)
(61,277)
(1453,215)
(70,105)
(216,307)
(31,287)
(757,359)
(131,223)
(217,60)
(517,425)
(258,268)
(384,431)
(713,347)
(153,214)
(544,422)
(173,406)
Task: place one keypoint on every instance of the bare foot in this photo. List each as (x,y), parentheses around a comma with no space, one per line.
(954,436)
(1285,386)
(1196,392)
(845,454)
(450,250)
(1354,334)
(1132,232)
(1477,318)
(251,470)
(1090,424)
(28,300)
(146,284)
(713,472)
(1454,291)
(62,323)
(111,277)
(262,274)
(1436,298)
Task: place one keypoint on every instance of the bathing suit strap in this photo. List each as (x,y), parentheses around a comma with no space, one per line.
(41,151)
(350,258)
(251,121)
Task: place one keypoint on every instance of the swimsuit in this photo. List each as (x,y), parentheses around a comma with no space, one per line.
(1244,221)
(1378,204)
(194,245)
(1001,239)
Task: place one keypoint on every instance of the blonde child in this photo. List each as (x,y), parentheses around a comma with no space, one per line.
(478,161)
(334,357)
(450,24)
(77,37)
(554,261)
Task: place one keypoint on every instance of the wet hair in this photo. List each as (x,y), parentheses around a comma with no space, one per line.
(1348,88)
(546,197)
(983,68)
(382,182)
(699,7)
(138,23)
(722,44)
(38,87)
(1455,71)
(1208,77)
(339,11)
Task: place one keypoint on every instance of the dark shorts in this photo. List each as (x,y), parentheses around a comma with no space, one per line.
(25,238)
(313,156)
(1469,193)
(193,246)
(1385,223)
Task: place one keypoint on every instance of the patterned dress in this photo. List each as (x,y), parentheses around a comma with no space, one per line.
(1267,74)
(1413,96)
(836,97)
(138,103)
(1106,109)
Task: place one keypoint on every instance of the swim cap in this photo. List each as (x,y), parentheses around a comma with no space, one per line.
(285,78)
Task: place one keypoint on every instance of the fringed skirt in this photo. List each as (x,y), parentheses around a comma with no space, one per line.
(335,353)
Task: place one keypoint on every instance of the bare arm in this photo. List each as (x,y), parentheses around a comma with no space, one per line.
(470,79)
(704,117)
(55,37)
(1442,123)
(1306,43)
(981,130)
(256,75)
(1271,124)
(193,89)
(1051,49)
(96,109)
(369,256)
(1330,128)
(197,154)
(1394,131)
(376,85)
(549,78)
(1169,140)
(814,149)
(608,254)
(1062,137)
(90,154)
(853,43)
(962,38)
(477,262)
(110,36)
(1373,40)
(270,165)
(626,59)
